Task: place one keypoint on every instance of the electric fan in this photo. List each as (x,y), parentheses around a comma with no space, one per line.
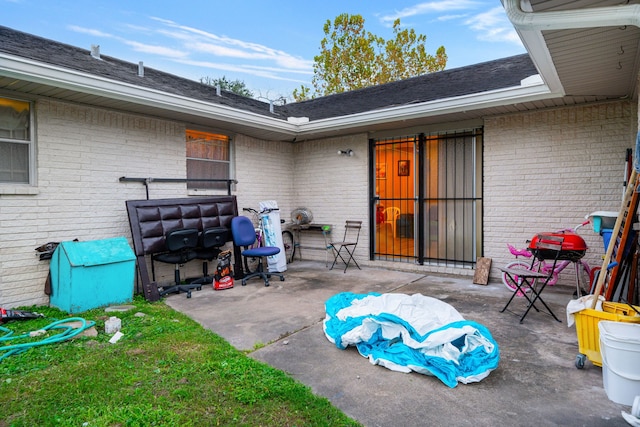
(301,216)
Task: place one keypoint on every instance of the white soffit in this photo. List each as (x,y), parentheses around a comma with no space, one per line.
(572,57)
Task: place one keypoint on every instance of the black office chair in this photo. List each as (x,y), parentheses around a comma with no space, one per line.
(244,236)
(209,244)
(349,243)
(180,245)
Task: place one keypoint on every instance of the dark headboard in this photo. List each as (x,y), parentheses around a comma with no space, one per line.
(151,220)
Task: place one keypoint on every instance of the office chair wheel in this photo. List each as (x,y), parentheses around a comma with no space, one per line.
(244,282)
(188,294)
(282,278)
(266,283)
(580,359)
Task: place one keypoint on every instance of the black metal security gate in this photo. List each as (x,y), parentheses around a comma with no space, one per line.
(426,198)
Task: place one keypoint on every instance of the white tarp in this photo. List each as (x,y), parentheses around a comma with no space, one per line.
(412,333)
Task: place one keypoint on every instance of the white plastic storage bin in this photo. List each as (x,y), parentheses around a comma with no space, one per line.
(620,350)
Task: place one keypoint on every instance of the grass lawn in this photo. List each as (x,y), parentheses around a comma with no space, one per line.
(165,371)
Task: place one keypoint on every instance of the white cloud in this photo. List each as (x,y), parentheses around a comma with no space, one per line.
(493,26)
(429,7)
(203,49)
(445,18)
(156,50)
(271,73)
(89,31)
(197,41)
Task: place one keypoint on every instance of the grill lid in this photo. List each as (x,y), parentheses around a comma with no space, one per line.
(573,246)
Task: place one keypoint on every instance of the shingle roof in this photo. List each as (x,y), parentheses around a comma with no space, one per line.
(487,76)
(63,55)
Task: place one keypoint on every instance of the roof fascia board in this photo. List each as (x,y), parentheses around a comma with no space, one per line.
(21,68)
(541,57)
(459,104)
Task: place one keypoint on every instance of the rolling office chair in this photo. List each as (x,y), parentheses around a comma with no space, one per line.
(180,244)
(209,244)
(244,236)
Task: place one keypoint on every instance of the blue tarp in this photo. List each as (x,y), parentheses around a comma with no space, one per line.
(412,333)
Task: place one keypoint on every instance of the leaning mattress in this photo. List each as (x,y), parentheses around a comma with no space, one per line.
(412,333)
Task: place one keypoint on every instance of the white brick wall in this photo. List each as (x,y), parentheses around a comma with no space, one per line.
(82,152)
(543,170)
(307,174)
(334,187)
(546,170)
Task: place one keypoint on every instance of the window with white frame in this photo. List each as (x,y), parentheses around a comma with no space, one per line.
(16,141)
(208,157)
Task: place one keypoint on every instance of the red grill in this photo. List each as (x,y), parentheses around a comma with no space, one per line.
(573,246)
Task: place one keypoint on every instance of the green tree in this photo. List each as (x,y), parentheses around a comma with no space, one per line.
(352,58)
(236,86)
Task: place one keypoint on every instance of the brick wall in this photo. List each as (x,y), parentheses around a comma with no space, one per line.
(334,187)
(546,170)
(82,153)
(307,174)
(543,170)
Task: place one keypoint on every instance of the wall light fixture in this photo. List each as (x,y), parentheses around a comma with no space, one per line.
(348,152)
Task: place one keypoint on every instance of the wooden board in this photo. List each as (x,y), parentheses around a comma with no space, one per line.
(481,276)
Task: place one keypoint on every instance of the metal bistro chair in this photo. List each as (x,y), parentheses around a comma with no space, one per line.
(348,243)
(547,247)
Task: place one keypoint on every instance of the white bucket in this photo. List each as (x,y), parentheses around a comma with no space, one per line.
(620,350)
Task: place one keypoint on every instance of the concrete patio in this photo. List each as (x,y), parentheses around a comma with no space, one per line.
(536,383)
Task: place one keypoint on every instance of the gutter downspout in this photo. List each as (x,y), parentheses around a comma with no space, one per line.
(606,16)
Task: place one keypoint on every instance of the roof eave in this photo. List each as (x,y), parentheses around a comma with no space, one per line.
(530,25)
(46,74)
(460,104)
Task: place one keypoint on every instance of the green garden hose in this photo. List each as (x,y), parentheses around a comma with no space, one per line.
(67,333)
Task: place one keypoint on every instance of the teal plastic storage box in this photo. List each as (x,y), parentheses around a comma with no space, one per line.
(86,275)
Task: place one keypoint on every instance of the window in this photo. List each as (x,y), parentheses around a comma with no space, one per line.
(16,144)
(208,157)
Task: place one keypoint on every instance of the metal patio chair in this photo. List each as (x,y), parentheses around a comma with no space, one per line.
(547,247)
(348,243)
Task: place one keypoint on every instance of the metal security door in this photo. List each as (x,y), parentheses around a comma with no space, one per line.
(394,199)
(426,198)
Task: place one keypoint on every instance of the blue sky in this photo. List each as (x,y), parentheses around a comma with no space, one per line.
(268,44)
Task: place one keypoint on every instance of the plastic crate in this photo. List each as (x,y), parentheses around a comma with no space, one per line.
(587,328)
